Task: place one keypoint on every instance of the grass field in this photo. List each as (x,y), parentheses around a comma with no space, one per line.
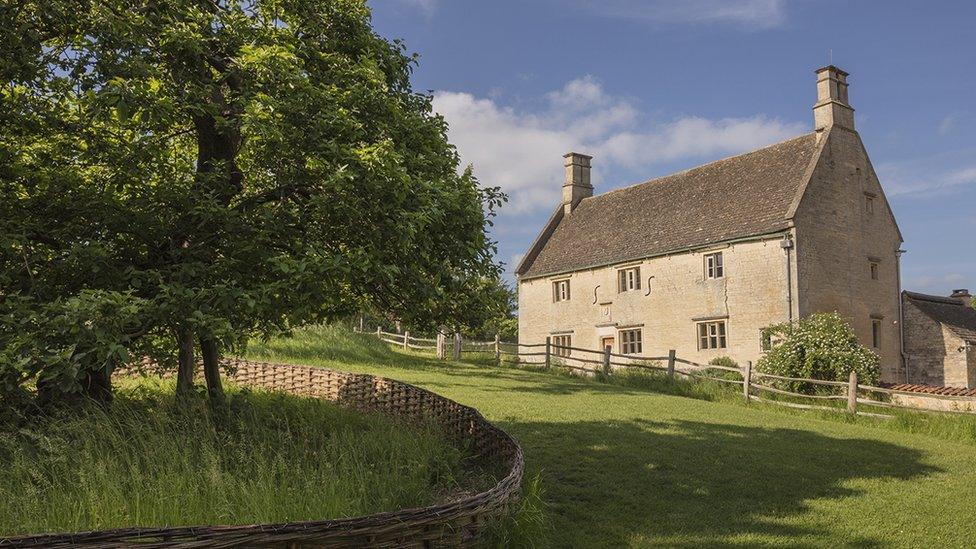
(630,464)
(267,458)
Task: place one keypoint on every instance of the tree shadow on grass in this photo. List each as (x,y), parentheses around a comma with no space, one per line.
(691,484)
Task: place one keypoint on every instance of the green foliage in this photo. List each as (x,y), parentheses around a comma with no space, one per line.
(821,346)
(223,169)
(480,309)
(495,311)
(148,461)
(72,345)
(725,361)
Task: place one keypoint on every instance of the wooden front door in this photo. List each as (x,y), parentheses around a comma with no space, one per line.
(607,343)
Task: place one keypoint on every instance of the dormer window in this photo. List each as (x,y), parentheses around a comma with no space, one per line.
(560,290)
(713,265)
(628,279)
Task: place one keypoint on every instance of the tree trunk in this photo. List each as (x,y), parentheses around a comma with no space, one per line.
(187,366)
(211,370)
(98,384)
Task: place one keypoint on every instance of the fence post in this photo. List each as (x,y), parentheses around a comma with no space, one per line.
(852,393)
(548,351)
(671,357)
(747,380)
(361,323)
(457,345)
(378,332)
(406,337)
(498,349)
(606,360)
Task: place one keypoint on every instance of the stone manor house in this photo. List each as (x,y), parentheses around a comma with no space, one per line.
(703,260)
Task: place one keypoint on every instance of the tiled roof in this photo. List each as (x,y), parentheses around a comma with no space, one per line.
(949,311)
(742,196)
(932,389)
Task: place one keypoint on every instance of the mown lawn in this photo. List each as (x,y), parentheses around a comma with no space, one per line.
(628,466)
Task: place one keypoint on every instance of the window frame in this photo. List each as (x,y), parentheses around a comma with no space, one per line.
(558,295)
(875,270)
(714,265)
(876,333)
(631,341)
(712,335)
(628,279)
(560,343)
(869,200)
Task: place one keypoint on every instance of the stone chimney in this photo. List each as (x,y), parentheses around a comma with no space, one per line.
(832,107)
(964,296)
(577,185)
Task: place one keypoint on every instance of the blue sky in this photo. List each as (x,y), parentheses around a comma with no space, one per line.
(651,87)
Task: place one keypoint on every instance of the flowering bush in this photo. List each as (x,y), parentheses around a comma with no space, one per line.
(820,346)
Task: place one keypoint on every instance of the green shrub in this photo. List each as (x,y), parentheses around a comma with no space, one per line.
(821,346)
(726,361)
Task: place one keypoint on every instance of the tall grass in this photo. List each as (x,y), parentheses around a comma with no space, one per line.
(147,461)
(527,523)
(323,344)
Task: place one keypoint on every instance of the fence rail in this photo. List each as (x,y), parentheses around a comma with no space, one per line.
(752,383)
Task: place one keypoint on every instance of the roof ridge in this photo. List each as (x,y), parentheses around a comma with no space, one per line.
(933,298)
(738,196)
(701,166)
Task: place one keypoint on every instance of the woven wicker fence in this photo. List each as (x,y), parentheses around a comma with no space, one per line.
(446,525)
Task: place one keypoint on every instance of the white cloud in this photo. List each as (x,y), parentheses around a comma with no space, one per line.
(947,124)
(757,14)
(425,6)
(962,177)
(936,284)
(522,151)
(900,179)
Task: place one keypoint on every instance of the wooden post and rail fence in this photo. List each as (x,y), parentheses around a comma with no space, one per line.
(755,385)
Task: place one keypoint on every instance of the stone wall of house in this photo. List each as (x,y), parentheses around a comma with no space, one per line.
(935,354)
(837,240)
(925,347)
(971,365)
(957,364)
(750,296)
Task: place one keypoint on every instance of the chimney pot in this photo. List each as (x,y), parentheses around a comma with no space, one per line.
(577,185)
(832,107)
(963,295)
